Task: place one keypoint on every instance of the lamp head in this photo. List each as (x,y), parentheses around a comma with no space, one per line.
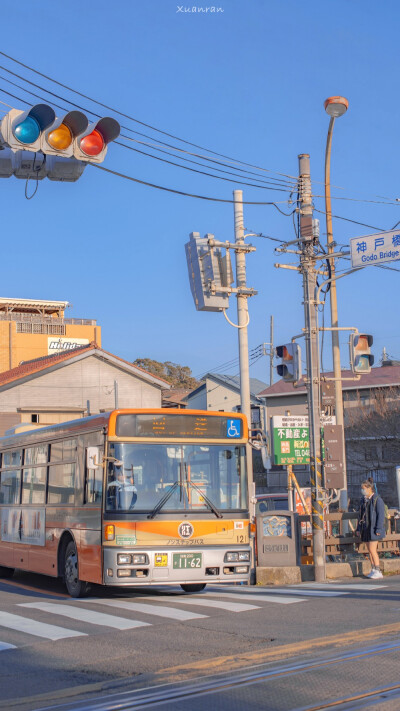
(336,106)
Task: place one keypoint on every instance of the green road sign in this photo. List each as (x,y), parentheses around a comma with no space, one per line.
(291,439)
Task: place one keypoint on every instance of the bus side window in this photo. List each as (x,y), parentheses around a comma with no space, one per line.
(93,476)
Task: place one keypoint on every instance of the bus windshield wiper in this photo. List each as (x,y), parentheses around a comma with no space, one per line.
(206,499)
(164,500)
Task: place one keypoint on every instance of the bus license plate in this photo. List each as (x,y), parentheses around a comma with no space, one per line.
(186,560)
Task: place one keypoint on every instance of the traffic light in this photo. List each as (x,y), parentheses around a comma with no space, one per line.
(23,129)
(290,367)
(91,145)
(361,359)
(59,138)
(67,136)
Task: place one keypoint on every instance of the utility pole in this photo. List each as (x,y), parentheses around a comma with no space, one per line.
(308,270)
(243,320)
(271,351)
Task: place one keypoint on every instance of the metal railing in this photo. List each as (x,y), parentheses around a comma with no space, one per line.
(39,318)
(340,539)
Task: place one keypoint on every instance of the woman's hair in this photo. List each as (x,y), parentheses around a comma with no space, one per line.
(368,483)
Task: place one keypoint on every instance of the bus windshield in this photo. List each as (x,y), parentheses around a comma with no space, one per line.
(176,477)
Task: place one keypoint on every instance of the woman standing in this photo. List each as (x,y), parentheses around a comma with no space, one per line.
(371,524)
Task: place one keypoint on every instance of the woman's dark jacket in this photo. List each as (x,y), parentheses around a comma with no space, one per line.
(371,522)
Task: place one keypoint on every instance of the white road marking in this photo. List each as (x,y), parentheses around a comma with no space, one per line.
(83,615)
(156,610)
(4,645)
(206,602)
(39,629)
(280,599)
(341,586)
(308,593)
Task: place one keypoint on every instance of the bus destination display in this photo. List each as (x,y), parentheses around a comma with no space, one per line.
(179,426)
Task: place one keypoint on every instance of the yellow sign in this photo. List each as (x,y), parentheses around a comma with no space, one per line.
(161,560)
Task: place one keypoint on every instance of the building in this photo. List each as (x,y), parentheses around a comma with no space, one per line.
(83,381)
(372,428)
(222,393)
(30,328)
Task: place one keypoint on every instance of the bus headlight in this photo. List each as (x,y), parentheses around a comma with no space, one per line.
(140,559)
(124,559)
(240,569)
(231,557)
(244,555)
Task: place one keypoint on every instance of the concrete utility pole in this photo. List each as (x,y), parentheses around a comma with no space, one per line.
(271,351)
(307,267)
(243,320)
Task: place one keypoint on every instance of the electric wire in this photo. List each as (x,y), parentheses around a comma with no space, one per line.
(267,185)
(286,175)
(131,118)
(181,192)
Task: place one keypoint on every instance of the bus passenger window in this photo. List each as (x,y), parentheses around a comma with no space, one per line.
(10,486)
(61,488)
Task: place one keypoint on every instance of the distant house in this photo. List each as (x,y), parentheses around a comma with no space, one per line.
(222,393)
(78,382)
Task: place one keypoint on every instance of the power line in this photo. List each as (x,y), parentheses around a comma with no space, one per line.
(131,118)
(267,185)
(181,192)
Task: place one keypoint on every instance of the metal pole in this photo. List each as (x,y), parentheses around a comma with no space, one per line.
(343,501)
(307,264)
(243,319)
(271,351)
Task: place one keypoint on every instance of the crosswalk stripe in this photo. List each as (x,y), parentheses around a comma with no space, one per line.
(4,645)
(206,602)
(156,610)
(84,615)
(39,629)
(341,586)
(280,599)
(308,593)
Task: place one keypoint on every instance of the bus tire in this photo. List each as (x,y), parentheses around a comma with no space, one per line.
(75,587)
(193,587)
(6,572)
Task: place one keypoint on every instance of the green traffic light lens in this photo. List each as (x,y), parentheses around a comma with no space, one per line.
(28,131)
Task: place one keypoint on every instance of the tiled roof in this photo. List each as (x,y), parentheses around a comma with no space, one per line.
(384,376)
(30,367)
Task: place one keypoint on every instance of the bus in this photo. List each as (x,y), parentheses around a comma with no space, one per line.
(126,498)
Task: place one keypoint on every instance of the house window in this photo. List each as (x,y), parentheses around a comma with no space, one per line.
(35,417)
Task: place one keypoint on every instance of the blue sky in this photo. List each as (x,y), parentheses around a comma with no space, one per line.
(248,82)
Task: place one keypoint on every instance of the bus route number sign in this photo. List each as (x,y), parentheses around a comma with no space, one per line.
(186,560)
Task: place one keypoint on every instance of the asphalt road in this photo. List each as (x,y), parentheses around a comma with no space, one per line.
(61,653)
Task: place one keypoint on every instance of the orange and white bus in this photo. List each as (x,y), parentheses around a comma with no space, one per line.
(127,498)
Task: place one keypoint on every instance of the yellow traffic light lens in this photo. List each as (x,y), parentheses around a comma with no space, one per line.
(61,138)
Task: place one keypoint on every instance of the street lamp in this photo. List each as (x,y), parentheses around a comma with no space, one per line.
(335,107)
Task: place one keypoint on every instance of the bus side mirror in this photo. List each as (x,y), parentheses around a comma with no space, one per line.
(93,458)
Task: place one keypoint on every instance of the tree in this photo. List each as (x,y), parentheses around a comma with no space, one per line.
(180,376)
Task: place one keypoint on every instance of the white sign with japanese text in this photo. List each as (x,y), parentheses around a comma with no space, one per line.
(375,249)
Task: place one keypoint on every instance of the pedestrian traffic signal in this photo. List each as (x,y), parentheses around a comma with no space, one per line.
(290,367)
(361,359)
(69,135)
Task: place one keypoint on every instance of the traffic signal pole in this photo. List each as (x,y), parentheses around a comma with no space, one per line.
(243,321)
(309,273)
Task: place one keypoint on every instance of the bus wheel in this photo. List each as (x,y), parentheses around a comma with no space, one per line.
(195,587)
(6,572)
(75,587)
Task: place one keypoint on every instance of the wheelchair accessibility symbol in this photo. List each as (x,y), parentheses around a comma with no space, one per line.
(233,428)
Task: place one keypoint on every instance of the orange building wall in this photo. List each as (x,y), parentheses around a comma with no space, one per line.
(16,347)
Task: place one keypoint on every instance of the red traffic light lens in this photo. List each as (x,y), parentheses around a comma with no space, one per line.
(92,144)
(286,354)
